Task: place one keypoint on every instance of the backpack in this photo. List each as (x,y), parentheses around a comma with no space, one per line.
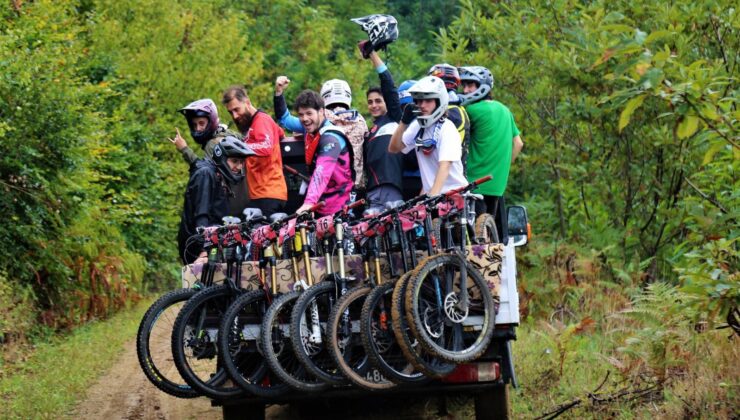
(353,126)
(459,117)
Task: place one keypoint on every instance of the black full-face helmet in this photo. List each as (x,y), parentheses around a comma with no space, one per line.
(229,147)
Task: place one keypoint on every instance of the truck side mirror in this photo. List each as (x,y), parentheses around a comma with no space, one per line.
(519,229)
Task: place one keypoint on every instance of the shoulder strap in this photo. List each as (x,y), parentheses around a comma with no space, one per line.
(336,132)
(463,120)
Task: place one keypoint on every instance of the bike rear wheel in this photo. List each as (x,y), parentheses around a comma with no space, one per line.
(485,229)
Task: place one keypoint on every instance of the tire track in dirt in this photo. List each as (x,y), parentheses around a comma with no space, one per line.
(125,393)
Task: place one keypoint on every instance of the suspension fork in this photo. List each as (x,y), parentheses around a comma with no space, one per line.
(339,232)
(464,298)
(428,228)
(303,246)
(210,269)
(295,247)
(398,227)
(269,255)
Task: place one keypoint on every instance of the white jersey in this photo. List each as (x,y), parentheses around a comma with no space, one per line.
(449,148)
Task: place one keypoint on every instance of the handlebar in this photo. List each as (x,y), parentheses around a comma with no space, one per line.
(469,187)
(313,208)
(426,199)
(295,172)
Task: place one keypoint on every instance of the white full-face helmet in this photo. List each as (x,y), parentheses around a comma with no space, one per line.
(431,87)
(336,92)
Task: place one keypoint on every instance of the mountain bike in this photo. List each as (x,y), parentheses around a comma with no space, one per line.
(308,326)
(153,339)
(449,306)
(240,331)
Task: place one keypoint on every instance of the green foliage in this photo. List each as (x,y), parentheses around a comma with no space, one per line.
(662,339)
(90,89)
(710,280)
(16,304)
(629,117)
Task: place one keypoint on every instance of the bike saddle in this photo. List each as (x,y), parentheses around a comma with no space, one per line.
(394,204)
(277,216)
(372,211)
(475,196)
(251,214)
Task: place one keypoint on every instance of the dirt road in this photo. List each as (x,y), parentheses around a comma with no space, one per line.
(125,393)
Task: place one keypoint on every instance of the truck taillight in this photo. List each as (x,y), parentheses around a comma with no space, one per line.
(529,232)
(474,372)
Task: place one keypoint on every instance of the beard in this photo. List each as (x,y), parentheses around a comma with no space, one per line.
(243,123)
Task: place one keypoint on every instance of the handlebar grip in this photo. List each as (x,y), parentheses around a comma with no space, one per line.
(355,204)
(482,180)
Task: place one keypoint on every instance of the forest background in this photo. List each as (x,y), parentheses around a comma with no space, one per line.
(628,110)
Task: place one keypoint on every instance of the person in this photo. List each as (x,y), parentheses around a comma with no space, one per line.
(383,172)
(411,175)
(264,170)
(337,97)
(455,112)
(207,195)
(495,141)
(207,130)
(435,138)
(328,156)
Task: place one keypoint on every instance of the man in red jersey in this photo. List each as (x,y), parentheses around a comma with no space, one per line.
(265,179)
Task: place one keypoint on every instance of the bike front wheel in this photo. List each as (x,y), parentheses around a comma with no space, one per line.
(278,349)
(379,341)
(309,335)
(452,317)
(153,346)
(346,341)
(239,346)
(194,343)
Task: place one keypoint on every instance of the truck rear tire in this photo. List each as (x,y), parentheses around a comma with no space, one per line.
(494,404)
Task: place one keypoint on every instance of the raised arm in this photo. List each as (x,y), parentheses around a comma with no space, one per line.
(282,114)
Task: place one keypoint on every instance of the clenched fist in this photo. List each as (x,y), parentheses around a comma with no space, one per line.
(280,84)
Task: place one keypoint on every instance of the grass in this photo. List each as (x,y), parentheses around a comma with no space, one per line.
(56,375)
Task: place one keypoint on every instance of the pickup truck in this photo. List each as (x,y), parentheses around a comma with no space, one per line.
(487,380)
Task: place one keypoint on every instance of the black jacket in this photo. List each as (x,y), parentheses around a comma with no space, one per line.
(206,202)
(382,167)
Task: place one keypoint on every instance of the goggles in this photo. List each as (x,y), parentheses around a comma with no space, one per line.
(427,146)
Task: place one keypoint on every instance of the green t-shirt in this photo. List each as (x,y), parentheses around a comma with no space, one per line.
(492,129)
